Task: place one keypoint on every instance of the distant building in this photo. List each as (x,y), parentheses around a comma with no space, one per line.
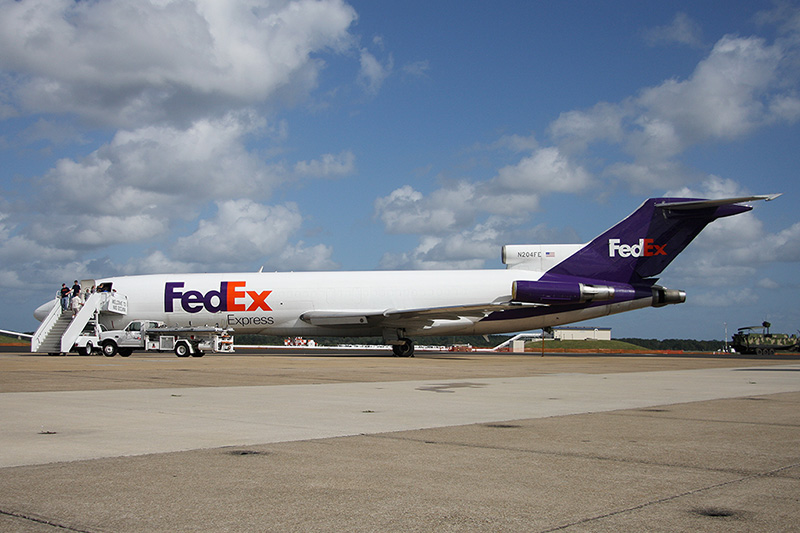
(582,334)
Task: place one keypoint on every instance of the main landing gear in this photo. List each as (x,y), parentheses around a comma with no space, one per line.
(404,348)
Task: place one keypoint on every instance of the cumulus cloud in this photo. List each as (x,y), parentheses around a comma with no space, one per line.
(241,231)
(578,128)
(156,261)
(718,299)
(738,88)
(138,184)
(516,143)
(417,69)
(128,64)
(374,72)
(16,251)
(783,246)
(516,188)
(57,133)
(329,165)
(711,187)
(406,210)
(461,210)
(185,84)
(645,177)
(545,170)
(682,30)
(435,253)
(301,257)
(88,231)
(473,247)
(727,96)
(767,283)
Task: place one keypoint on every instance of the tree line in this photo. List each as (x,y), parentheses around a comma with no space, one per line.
(687,345)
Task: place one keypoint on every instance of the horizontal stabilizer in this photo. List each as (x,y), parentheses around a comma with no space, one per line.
(702,204)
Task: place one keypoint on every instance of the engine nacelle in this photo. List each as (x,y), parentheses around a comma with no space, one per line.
(558,292)
(663,296)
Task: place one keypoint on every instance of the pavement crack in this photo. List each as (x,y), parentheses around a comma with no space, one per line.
(575,455)
(44,521)
(654,414)
(665,499)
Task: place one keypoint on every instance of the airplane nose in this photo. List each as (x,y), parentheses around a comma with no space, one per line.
(43,310)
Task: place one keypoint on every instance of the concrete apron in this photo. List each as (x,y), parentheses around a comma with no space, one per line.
(46,427)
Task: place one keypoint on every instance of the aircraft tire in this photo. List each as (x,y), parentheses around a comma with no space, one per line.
(198,353)
(125,352)
(109,348)
(404,350)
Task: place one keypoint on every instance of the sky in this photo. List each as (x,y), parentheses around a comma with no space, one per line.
(164,136)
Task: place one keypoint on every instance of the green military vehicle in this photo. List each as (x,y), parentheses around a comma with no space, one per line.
(758,340)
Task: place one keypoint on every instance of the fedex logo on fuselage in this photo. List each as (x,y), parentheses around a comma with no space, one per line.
(231,296)
(644,248)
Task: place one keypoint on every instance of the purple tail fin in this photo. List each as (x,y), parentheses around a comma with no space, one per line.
(642,245)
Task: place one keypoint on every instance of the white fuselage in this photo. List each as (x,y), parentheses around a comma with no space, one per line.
(272,303)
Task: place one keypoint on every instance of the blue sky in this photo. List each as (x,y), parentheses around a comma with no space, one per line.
(202,136)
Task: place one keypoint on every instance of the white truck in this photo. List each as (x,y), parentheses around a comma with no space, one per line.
(152,335)
(88,342)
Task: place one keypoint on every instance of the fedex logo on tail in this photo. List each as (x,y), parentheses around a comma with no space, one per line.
(644,248)
(231,296)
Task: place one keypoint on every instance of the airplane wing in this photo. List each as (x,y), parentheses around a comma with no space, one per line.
(408,317)
(16,334)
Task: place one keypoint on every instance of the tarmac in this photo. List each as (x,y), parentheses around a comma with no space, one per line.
(438,442)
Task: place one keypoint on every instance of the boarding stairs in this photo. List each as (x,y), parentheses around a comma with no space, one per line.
(59,330)
(521,336)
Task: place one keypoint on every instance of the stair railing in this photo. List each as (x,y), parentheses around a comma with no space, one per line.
(46,325)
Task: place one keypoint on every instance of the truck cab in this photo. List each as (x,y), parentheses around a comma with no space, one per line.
(88,342)
(124,341)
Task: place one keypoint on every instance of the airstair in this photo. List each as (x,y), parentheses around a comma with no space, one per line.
(59,330)
(521,336)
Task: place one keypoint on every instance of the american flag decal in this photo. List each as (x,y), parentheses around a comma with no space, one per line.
(549,254)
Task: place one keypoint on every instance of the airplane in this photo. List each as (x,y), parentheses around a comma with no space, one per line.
(543,285)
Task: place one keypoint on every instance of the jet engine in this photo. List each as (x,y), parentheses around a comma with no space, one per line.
(558,292)
(663,296)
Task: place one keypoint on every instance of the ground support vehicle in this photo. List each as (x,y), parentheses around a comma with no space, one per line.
(152,335)
(749,340)
(88,342)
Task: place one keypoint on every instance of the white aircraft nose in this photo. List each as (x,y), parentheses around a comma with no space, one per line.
(43,310)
